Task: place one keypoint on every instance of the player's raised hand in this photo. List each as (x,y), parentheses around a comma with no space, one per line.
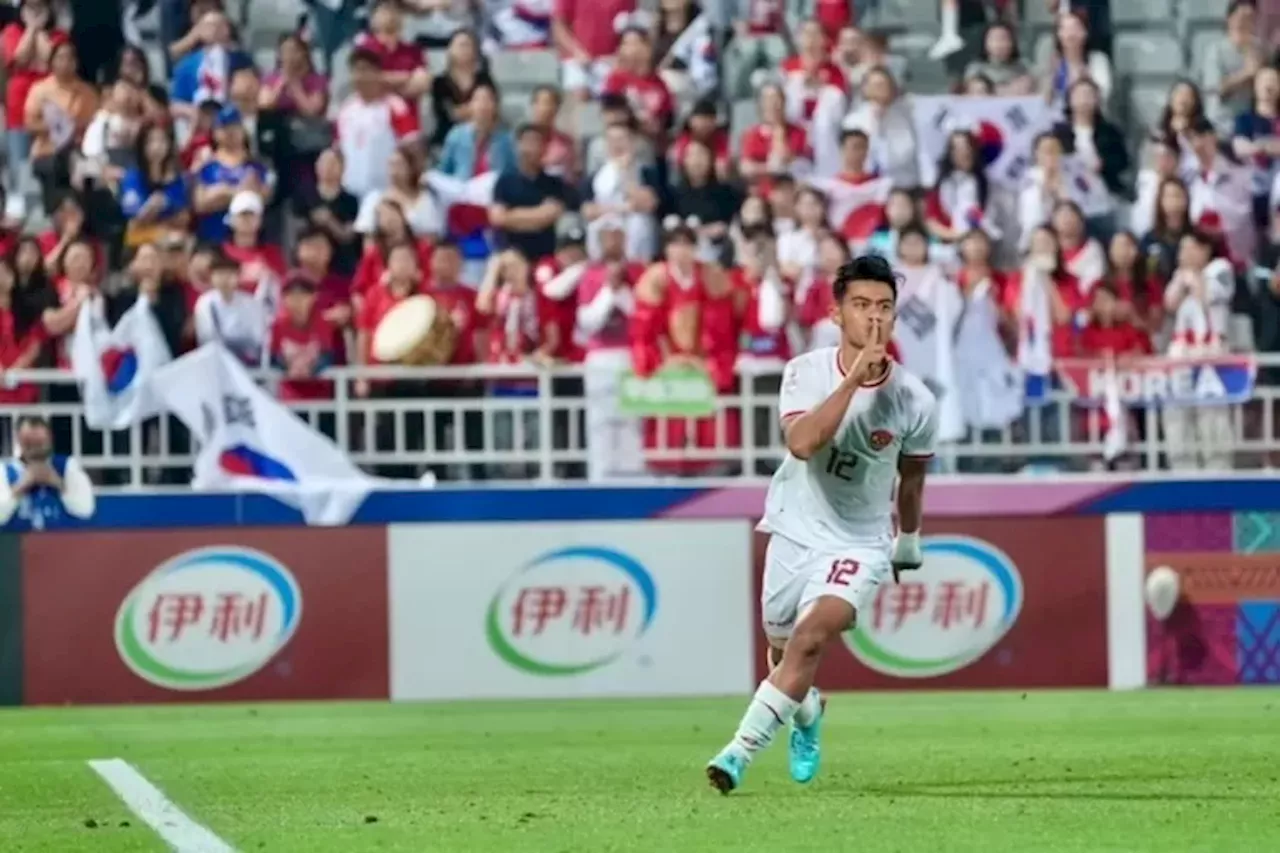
(870,360)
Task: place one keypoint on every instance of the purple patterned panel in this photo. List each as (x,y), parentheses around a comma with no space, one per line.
(1196,645)
(1188,531)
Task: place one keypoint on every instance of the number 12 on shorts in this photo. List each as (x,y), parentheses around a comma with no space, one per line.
(841,572)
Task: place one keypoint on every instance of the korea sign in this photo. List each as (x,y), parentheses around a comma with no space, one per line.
(943,619)
(643,608)
(208,618)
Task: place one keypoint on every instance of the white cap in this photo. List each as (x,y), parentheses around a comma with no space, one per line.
(245,202)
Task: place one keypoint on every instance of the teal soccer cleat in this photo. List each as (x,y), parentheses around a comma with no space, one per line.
(726,769)
(805,752)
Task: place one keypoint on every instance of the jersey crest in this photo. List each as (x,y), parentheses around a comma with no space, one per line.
(880,439)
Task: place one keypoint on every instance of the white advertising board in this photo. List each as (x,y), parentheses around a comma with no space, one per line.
(569,609)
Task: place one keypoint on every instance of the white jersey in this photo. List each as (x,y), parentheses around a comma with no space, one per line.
(843,494)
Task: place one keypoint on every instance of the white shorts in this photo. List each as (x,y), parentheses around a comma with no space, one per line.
(795,575)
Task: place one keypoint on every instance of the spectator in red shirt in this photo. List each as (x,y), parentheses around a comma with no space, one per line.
(561,156)
(302,343)
(27,45)
(262,265)
(69,226)
(1136,283)
(771,146)
(20,339)
(636,78)
(586,33)
(703,125)
(520,329)
(1108,331)
(458,301)
(454,298)
(392,229)
(557,278)
(402,279)
(403,69)
(35,296)
(314,255)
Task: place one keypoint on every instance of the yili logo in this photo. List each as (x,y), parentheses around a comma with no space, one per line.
(208,618)
(571,611)
(944,617)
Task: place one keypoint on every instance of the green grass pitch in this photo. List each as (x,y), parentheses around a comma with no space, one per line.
(1160,771)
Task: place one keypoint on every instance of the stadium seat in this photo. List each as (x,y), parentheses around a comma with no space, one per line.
(274,17)
(910,15)
(912,45)
(1148,55)
(1144,14)
(1200,42)
(1042,50)
(437,60)
(523,70)
(515,107)
(581,120)
(926,77)
(1198,12)
(741,116)
(1143,108)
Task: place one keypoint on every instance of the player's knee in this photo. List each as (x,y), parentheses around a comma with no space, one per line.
(807,641)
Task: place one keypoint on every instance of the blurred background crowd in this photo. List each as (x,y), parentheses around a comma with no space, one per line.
(647,187)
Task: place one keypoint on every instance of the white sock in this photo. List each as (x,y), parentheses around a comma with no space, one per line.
(950,19)
(769,711)
(809,708)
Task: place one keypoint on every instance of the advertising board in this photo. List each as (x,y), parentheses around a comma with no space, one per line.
(998,603)
(547,610)
(203,615)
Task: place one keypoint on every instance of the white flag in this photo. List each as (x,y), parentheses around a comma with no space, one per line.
(249,441)
(113,365)
(1005,129)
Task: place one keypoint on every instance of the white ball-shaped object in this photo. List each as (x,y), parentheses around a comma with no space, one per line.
(1164,586)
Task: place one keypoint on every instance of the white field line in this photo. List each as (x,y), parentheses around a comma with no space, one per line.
(156,810)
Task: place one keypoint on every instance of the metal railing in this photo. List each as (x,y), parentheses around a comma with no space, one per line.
(447,420)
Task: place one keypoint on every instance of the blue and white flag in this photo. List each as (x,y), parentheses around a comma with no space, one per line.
(113,365)
(1206,381)
(249,441)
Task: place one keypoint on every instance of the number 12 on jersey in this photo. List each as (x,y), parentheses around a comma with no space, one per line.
(841,464)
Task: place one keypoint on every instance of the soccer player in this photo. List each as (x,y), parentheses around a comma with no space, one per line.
(854,422)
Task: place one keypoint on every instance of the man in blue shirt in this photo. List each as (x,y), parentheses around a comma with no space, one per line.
(527,202)
(42,488)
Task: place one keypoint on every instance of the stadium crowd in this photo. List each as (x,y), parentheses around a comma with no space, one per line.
(627,186)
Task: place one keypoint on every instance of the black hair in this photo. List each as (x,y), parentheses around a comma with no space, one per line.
(614,101)
(545,89)
(528,128)
(448,243)
(32,421)
(851,133)
(363,56)
(1202,125)
(1015,54)
(946,166)
(1237,5)
(864,268)
(223,262)
(1165,125)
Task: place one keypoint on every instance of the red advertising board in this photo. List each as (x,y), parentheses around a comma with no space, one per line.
(236,614)
(1000,603)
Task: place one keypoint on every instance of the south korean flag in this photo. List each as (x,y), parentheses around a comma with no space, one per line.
(1004,129)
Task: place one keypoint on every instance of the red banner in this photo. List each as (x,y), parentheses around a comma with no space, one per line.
(1000,603)
(185,615)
